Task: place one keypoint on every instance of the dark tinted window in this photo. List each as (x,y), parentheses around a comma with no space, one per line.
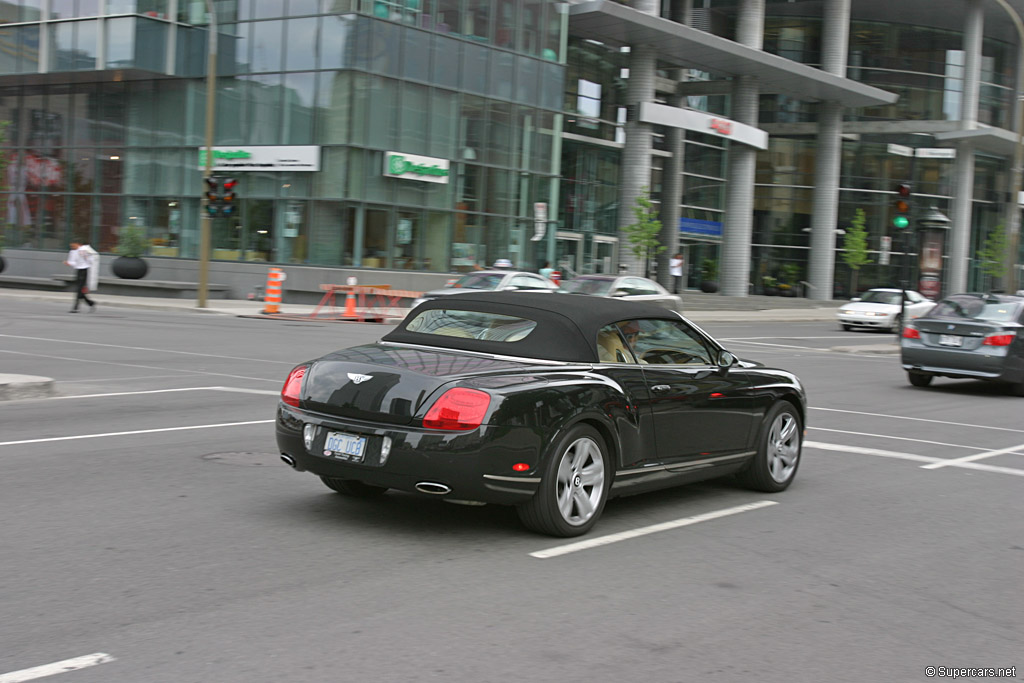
(977,308)
(479,281)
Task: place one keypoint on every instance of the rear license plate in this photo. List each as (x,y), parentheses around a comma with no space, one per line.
(345,446)
(951,340)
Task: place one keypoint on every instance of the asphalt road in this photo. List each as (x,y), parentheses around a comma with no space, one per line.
(147,518)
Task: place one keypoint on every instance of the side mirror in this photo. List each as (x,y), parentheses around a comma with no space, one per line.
(620,292)
(726,360)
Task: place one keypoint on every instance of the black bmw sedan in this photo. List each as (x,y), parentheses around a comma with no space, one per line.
(968,336)
(552,404)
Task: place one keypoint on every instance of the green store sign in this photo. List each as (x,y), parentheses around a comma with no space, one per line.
(224,154)
(414,167)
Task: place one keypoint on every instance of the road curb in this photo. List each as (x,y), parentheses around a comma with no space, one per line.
(17,387)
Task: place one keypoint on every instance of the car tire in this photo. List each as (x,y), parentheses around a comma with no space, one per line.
(844,327)
(779,447)
(574,486)
(353,488)
(919,379)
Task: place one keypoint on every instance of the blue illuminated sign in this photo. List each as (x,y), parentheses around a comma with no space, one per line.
(695,226)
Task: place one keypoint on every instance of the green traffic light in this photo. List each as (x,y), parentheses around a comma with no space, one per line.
(900,222)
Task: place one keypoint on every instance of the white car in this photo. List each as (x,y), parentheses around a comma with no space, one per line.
(491,281)
(881,308)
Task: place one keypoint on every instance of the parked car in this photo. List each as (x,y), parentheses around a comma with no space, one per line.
(968,336)
(500,398)
(626,287)
(881,308)
(491,281)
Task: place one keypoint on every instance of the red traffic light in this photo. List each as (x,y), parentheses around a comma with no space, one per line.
(903,189)
(229,184)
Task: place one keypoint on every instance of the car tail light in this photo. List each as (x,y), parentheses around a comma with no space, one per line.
(998,340)
(293,385)
(458,409)
(910,332)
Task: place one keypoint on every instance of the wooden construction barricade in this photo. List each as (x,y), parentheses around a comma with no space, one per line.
(363,303)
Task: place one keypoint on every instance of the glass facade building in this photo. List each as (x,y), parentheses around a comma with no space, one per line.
(105,108)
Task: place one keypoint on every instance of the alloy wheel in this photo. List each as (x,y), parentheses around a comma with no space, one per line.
(783,447)
(580,481)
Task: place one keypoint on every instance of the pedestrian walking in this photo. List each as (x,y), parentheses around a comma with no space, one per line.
(546,270)
(675,268)
(86,262)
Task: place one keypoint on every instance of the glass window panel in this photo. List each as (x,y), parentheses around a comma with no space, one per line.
(82,163)
(444,120)
(334,107)
(375,239)
(449,16)
(142,112)
(302,37)
(502,67)
(505,24)
(436,241)
(499,192)
(30,10)
(120,42)
(240,50)
(408,228)
(378,187)
(330,182)
(336,45)
(110,164)
(109,127)
(62,46)
(447,61)
(299,96)
(553,85)
(471,129)
(266,9)
(138,171)
(500,134)
(85,45)
(298,7)
(478,19)
(385,49)
(170,166)
(528,81)
(62,9)
(120,6)
(532,31)
(265,97)
(361,44)
(416,55)
(191,52)
(474,75)
(151,45)
(412,119)
(330,234)
(232,107)
(382,108)
(10,55)
(541,157)
(267,42)
(356,174)
(88,8)
(166,111)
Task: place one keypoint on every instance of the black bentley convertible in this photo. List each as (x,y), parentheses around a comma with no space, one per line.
(549,402)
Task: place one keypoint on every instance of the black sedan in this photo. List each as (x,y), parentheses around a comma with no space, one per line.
(968,336)
(503,398)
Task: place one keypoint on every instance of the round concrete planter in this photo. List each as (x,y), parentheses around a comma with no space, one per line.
(129,267)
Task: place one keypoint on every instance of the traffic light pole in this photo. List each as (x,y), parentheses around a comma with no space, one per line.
(205,227)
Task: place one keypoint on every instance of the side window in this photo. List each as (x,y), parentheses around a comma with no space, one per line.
(637,286)
(527,282)
(670,342)
(611,347)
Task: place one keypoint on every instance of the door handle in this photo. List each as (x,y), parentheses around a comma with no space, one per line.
(661,388)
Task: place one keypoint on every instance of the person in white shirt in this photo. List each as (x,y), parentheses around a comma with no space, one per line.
(675,268)
(86,263)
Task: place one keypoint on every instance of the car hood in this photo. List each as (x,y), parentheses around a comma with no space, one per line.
(380,383)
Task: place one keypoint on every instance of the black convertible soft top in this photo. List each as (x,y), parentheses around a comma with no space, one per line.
(567,324)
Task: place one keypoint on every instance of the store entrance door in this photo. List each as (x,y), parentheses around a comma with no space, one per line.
(569,254)
(603,254)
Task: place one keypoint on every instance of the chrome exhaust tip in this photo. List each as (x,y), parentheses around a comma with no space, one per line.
(433,488)
(288,460)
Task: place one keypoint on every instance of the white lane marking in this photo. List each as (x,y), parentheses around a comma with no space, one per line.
(135,365)
(644,531)
(972,458)
(835,336)
(869,451)
(235,390)
(898,438)
(56,668)
(911,456)
(918,419)
(143,348)
(134,431)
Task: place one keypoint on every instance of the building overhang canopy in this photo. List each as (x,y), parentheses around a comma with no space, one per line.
(683,46)
(998,141)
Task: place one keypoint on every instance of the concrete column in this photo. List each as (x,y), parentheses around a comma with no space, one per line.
(635,173)
(825,202)
(672,178)
(963,198)
(734,265)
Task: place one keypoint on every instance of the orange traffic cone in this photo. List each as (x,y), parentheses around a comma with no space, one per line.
(350,305)
(272,298)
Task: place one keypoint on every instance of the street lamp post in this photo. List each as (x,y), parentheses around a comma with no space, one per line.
(207,220)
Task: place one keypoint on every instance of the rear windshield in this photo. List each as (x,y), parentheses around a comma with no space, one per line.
(584,285)
(976,308)
(874,297)
(479,281)
(471,325)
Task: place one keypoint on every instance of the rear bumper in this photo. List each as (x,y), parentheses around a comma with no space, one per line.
(475,465)
(962,364)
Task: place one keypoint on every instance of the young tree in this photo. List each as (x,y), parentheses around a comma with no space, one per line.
(992,255)
(855,247)
(643,234)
